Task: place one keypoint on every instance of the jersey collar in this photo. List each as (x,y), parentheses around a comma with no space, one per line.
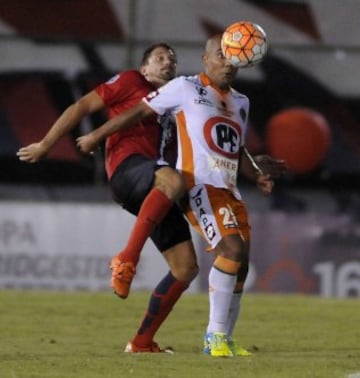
(205,81)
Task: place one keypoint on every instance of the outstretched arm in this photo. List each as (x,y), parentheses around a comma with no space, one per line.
(250,168)
(89,142)
(65,123)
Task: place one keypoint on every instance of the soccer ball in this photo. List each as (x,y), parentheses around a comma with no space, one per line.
(244,43)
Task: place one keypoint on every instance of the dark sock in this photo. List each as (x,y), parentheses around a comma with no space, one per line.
(162,300)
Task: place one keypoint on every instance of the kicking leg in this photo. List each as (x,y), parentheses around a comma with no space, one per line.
(168,187)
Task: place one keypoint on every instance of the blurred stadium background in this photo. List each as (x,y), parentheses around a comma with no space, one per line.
(58,226)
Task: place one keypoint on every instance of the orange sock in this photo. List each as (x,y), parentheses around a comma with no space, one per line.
(153,210)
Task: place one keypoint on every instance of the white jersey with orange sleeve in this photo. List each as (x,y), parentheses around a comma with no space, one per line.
(211,128)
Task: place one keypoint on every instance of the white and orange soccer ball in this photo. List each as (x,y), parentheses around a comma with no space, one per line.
(244,43)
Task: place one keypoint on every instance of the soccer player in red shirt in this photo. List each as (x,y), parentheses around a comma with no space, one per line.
(141,182)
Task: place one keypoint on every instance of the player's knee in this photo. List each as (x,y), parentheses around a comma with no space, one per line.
(170,182)
(186,272)
(176,184)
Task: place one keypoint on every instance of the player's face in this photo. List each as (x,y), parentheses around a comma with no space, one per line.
(220,71)
(161,65)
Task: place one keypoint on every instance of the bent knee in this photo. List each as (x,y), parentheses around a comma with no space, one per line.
(186,273)
(170,182)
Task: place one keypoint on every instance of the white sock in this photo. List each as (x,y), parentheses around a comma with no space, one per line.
(234,312)
(221,287)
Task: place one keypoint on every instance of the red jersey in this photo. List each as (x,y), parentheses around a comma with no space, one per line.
(122,92)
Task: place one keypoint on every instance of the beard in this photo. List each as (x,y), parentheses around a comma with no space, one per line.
(167,74)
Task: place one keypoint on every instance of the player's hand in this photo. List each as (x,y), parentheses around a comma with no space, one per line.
(32,153)
(87,143)
(270,166)
(265,184)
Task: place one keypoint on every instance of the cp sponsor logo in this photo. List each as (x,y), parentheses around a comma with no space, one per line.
(223,136)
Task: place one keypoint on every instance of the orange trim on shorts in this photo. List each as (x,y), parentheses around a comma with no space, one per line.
(226,265)
(187,154)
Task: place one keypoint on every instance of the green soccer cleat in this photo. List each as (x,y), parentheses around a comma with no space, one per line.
(216,345)
(237,350)
(206,349)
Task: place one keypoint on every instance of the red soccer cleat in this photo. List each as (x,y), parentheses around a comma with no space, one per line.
(122,275)
(153,348)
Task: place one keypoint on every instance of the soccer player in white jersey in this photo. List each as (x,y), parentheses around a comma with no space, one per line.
(211,119)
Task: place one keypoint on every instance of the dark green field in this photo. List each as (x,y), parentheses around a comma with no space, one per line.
(72,335)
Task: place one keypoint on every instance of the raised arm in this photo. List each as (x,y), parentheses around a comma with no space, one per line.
(65,123)
(89,142)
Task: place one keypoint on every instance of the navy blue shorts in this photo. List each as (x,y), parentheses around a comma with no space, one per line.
(130,184)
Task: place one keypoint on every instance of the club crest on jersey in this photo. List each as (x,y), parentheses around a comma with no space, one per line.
(223,136)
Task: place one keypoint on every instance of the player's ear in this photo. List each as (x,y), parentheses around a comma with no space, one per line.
(142,70)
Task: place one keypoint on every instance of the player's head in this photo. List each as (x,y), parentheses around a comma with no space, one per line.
(220,71)
(158,64)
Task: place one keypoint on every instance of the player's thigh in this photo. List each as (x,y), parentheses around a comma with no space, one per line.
(215,213)
(170,182)
(172,230)
(132,181)
(233,247)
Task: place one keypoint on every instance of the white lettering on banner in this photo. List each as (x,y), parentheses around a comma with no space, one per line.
(67,246)
(12,232)
(55,267)
(342,281)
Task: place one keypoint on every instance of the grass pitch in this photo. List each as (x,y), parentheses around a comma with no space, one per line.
(68,335)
